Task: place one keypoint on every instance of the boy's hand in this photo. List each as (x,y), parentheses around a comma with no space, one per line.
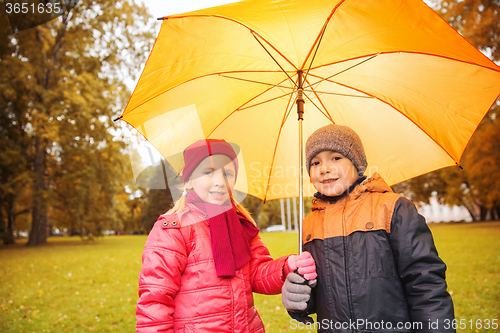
(295,292)
(304,264)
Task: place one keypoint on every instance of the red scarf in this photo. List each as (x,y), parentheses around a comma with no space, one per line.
(230,233)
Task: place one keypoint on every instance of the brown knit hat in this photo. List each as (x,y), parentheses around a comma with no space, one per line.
(337,138)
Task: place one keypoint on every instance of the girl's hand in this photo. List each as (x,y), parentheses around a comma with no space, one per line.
(304,264)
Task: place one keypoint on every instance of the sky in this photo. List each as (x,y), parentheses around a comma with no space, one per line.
(160,8)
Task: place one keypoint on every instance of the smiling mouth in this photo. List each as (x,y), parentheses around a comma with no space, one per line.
(329,181)
(217,194)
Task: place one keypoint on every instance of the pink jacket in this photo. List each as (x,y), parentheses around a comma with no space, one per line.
(179,290)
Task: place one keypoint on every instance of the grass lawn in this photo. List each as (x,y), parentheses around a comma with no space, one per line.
(73,286)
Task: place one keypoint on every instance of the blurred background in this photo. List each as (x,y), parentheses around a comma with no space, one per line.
(67,168)
(73,181)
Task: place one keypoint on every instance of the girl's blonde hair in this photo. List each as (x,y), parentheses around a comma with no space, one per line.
(181,204)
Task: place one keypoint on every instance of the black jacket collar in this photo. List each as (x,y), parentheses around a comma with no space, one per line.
(334,199)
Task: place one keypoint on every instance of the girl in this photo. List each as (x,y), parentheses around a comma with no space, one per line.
(204,258)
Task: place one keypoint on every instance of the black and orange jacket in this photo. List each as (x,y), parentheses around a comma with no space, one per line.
(378,269)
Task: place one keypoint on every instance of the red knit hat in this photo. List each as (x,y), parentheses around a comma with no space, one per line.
(198,151)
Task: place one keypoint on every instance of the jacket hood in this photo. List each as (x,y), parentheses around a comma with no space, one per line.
(190,214)
(375,183)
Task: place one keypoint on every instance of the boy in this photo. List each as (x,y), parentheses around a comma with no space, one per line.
(378,269)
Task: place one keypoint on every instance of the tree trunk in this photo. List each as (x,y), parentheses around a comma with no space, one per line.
(7,232)
(494,213)
(8,237)
(496,209)
(256,212)
(489,214)
(3,230)
(483,213)
(471,213)
(39,221)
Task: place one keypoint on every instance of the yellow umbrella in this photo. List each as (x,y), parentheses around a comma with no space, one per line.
(394,71)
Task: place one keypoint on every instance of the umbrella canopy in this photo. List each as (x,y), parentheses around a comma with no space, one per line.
(394,71)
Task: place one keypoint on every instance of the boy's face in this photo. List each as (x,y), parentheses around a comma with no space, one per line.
(332,173)
(207,180)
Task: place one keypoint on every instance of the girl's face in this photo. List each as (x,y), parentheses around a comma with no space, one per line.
(332,173)
(209,179)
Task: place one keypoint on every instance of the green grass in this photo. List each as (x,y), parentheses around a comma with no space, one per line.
(70,286)
(472,253)
(74,286)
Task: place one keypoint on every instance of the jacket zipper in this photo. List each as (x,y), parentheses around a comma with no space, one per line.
(346,262)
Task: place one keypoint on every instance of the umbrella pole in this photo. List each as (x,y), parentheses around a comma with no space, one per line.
(301,189)
(300,113)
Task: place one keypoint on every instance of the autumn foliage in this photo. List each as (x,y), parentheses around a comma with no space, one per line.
(477,185)
(63,161)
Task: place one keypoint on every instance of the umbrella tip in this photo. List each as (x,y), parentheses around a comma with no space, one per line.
(117,118)
(460,166)
(162,18)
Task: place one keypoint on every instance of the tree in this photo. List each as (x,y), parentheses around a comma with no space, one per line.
(270,214)
(254,206)
(15,174)
(476,186)
(481,163)
(66,79)
(157,184)
(476,20)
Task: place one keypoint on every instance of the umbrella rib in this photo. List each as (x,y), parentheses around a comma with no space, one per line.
(254,33)
(343,71)
(241,108)
(409,119)
(277,63)
(253,81)
(411,52)
(285,117)
(287,114)
(370,96)
(320,38)
(319,42)
(337,94)
(267,101)
(319,109)
(327,115)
